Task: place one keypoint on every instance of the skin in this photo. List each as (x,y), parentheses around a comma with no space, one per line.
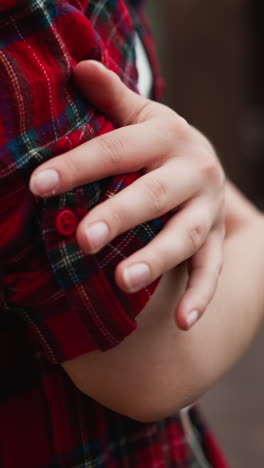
(182,175)
(159,369)
(164,367)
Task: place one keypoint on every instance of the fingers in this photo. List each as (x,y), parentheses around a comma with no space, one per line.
(148,197)
(182,236)
(104,89)
(117,152)
(204,269)
(103,156)
(127,149)
(181,169)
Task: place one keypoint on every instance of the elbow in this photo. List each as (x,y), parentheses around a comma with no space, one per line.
(158,398)
(147,405)
(145,412)
(138,402)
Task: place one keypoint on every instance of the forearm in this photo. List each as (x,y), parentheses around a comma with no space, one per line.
(159,369)
(203,355)
(231,320)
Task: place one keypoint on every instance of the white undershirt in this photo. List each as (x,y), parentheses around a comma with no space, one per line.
(145,77)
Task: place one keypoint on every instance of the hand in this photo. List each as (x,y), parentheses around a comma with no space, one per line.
(182,175)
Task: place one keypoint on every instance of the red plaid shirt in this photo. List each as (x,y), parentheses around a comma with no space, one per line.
(58,303)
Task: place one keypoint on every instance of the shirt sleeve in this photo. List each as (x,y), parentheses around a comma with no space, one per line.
(70,300)
(98,314)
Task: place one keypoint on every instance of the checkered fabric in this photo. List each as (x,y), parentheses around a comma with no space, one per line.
(57,303)
(43,115)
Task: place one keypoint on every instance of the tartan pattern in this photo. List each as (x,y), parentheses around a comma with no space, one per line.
(57,303)
(45,117)
(46,422)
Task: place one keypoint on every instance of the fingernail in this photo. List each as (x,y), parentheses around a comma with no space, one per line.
(97,235)
(192,318)
(45,182)
(136,276)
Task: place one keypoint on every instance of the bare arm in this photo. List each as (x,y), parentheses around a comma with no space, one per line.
(159,369)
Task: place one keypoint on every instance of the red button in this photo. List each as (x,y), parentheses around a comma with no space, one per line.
(66,223)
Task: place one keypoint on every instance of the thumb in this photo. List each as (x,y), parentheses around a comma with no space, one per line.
(105,91)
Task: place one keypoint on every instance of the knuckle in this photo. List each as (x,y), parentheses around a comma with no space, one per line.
(143,113)
(115,220)
(112,147)
(156,261)
(211,170)
(177,126)
(183,127)
(158,194)
(195,236)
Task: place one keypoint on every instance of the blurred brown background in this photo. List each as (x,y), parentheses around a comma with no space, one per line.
(211,54)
